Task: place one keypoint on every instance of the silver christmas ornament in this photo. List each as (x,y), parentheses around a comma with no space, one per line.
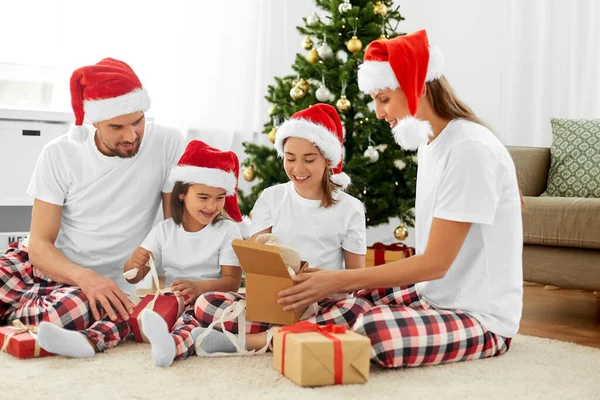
(325,51)
(371,154)
(313,19)
(345,7)
(323,94)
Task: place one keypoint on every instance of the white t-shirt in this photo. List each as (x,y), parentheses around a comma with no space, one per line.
(109,204)
(318,234)
(467,175)
(193,255)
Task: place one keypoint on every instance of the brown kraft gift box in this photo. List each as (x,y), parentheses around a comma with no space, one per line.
(317,355)
(266,275)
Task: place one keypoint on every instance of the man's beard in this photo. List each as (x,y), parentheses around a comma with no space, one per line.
(122,154)
(411,132)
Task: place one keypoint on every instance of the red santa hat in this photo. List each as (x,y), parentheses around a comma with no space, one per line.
(203,164)
(404,61)
(106,90)
(320,124)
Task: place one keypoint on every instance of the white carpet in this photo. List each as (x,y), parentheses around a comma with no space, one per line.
(534,368)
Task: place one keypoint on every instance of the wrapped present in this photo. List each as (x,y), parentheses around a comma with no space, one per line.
(318,355)
(164,303)
(380,253)
(167,305)
(21,341)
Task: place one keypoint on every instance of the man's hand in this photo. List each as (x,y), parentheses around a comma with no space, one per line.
(99,289)
(189,290)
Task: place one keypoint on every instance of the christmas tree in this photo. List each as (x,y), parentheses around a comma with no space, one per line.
(383,175)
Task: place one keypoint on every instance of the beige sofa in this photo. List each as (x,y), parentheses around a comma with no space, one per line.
(561,235)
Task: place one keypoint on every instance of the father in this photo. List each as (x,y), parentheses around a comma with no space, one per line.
(97,191)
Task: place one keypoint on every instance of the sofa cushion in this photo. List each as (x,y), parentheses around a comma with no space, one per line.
(575,158)
(562,221)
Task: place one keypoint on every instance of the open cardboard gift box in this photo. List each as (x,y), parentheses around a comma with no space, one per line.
(266,275)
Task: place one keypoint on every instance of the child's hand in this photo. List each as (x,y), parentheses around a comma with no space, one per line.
(138,259)
(189,290)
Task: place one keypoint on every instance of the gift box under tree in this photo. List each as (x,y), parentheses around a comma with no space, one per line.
(380,253)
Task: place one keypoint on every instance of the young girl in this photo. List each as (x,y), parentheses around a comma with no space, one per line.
(310,213)
(194,247)
(460,297)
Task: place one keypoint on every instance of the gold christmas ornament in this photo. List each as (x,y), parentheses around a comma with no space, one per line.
(272,135)
(249,174)
(313,56)
(307,44)
(250,214)
(304,85)
(343,104)
(380,9)
(382,37)
(272,110)
(401,232)
(296,93)
(354,45)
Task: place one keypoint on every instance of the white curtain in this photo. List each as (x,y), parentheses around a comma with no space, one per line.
(517,63)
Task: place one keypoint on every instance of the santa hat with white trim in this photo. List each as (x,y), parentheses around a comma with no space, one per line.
(405,62)
(320,124)
(106,90)
(203,164)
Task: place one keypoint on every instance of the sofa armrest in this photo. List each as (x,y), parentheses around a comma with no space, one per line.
(532,164)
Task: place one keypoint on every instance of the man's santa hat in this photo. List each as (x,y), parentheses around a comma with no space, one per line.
(405,62)
(203,164)
(106,90)
(320,124)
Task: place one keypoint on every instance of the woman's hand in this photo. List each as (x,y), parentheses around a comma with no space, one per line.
(189,290)
(311,287)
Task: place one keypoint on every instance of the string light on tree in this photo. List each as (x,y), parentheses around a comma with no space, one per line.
(249,174)
(401,232)
(313,19)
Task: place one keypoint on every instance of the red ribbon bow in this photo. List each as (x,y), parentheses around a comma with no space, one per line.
(325,330)
(381,248)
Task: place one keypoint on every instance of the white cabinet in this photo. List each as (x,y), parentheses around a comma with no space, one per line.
(23,134)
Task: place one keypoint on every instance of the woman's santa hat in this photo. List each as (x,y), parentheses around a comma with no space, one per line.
(405,62)
(203,164)
(320,124)
(106,90)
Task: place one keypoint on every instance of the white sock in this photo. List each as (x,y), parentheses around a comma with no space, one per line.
(63,342)
(215,342)
(163,345)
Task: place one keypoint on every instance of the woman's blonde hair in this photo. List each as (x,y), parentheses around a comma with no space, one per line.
(446,104)
(177,204)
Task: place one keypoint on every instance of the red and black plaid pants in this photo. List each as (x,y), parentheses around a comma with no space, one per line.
(406,331)
(31,297)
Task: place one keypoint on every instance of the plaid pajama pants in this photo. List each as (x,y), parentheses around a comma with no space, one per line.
(210,306)
(31,297)
(406,331)
(181,333)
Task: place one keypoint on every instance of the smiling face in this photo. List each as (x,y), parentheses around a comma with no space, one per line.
(390,105)
(201,205)
(304,165)
(120,136)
